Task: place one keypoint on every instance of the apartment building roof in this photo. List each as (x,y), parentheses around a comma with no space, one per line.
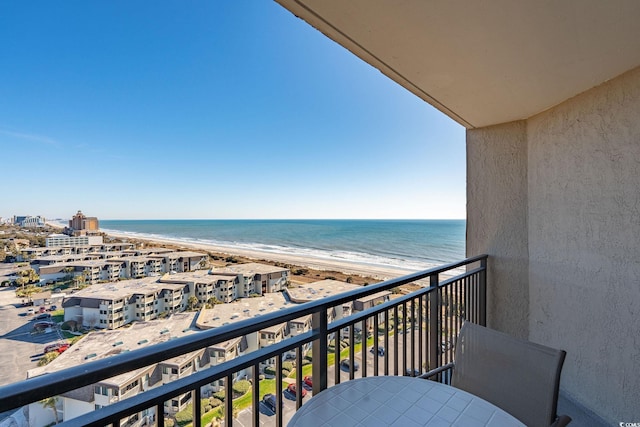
(101,344)
(93,263)
(178,254)
(245,308)
(67,258)
(374,296)
(198,276)
(317,290)
(250,268)
(137,258)
(152,250)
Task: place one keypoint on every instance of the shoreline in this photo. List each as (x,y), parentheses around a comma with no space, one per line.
(340,266)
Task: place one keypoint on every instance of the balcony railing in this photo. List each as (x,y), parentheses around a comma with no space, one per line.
(417,329)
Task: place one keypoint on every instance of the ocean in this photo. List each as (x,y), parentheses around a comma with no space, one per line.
(407,244)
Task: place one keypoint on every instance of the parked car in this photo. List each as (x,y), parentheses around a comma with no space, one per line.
(41,326)
(346,365)
(270,400)
(292,389)
(59,347)
(53,308)
(42,316)
(42,309)
(380,351)
(31,310)
(308,380)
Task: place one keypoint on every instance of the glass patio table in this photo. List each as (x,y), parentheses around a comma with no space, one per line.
(398,401)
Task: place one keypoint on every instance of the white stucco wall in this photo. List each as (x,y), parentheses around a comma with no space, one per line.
(555,202)
(75,408)
(584,243)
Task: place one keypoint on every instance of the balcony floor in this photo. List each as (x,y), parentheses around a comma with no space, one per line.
(580,416)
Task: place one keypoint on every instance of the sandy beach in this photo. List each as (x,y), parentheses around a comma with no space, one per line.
(343,266)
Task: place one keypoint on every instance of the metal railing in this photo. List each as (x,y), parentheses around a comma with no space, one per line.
(408,334)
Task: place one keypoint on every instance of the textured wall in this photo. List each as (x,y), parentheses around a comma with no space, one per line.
(497,220)
(584,243)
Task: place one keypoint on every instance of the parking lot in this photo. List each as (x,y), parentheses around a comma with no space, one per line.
(267,416)
(20,349)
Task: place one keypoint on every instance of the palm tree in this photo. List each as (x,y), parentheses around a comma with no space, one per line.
(51,402)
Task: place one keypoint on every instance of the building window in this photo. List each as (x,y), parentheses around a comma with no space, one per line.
(104,391)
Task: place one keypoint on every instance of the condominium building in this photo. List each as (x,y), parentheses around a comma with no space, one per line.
(29,221)
(99,345)
(207,285)
(255,278)
(57,240)
(112,305)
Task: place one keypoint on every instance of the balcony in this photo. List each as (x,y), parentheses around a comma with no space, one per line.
(417,329)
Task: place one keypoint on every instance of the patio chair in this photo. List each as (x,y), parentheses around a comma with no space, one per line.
(518,376)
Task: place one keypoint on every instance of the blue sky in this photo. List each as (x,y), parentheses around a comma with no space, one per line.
(209,109)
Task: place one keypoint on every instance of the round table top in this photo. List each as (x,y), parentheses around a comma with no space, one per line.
(398,401)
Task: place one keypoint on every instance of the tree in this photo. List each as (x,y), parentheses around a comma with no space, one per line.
(79,280)
(48,358)
(192,302)
(51,402)
(92,321)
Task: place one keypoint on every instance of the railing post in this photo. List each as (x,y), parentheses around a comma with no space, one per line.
(319,351)
(434,323)
(483,292)
(197,408)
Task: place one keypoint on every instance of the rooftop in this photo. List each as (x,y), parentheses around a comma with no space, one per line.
(250,268)
(224,314)
(102,344)
(123,288)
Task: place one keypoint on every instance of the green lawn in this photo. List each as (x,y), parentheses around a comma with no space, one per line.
(269,386)
(266,386)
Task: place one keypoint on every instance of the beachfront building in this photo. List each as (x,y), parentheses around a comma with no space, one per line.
(43,251)
(179,261)
(56,240)
(29,221)
(208,287)
(109,266)
(81,225)
(255,278)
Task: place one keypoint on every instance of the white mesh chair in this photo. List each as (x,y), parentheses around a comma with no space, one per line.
(518,376)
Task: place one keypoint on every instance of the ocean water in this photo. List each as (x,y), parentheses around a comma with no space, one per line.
(408,244)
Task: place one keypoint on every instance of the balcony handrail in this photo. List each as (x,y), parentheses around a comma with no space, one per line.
(34,389)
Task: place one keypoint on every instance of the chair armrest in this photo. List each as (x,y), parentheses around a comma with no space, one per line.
(437,371)
(561,421)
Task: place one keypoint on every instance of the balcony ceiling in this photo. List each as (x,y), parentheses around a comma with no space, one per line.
(485,62)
